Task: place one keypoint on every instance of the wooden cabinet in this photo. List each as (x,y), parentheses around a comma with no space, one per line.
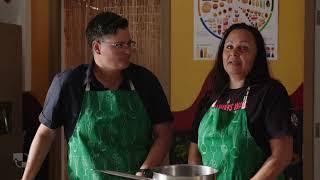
(11,136)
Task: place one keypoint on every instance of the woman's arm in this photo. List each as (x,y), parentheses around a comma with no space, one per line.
(281,156)
(160,147)
(194,154)
(39,149)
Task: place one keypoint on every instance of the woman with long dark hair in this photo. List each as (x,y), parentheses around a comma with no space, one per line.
(243,127)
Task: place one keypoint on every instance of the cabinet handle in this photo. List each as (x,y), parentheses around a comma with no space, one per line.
(317,130)
(318,17)
(5,119)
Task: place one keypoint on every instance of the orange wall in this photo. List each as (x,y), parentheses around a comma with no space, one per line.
(188,75)
(39,48)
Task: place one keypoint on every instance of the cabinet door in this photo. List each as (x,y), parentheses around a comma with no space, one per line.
(11,136)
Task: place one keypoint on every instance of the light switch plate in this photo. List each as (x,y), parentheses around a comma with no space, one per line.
(317,130)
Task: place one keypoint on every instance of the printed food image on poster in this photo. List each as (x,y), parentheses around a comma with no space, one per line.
(213,17)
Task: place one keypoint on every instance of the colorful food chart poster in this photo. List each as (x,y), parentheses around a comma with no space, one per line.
(213,17)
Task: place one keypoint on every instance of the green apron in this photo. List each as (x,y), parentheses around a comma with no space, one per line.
(226,144)
(113,132)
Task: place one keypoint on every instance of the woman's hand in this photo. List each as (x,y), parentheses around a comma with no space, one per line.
(161,146)
(145,173)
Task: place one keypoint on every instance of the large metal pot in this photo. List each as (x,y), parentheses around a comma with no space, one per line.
(174,172)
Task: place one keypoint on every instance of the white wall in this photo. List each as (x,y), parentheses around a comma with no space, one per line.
(19,12)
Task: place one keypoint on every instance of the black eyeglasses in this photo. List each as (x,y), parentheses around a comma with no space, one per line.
(122,45)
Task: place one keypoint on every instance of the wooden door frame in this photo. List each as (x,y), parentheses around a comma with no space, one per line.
(54,66)
(308,93)
(165,46)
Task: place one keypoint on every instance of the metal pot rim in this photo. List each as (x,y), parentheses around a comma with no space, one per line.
(156,170)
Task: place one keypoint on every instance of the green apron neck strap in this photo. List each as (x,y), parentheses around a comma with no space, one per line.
(88,86)
(244,101)
(131,85)
(132,88)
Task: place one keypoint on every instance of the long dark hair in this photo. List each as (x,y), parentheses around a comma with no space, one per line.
(259,71)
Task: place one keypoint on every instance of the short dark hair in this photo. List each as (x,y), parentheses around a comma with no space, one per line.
(259,71)
(105,23)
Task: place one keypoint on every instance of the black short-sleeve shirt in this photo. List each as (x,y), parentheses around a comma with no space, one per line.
(268,111)
(64,98)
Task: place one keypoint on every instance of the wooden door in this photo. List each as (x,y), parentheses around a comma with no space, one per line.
(148,23)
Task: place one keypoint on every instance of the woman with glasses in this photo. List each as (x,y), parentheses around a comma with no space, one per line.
(243,126)
(115,113)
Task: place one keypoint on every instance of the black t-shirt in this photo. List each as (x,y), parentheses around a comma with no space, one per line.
(268,111)
(64,98)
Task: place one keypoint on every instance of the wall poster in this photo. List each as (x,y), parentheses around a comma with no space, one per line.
(213,17)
